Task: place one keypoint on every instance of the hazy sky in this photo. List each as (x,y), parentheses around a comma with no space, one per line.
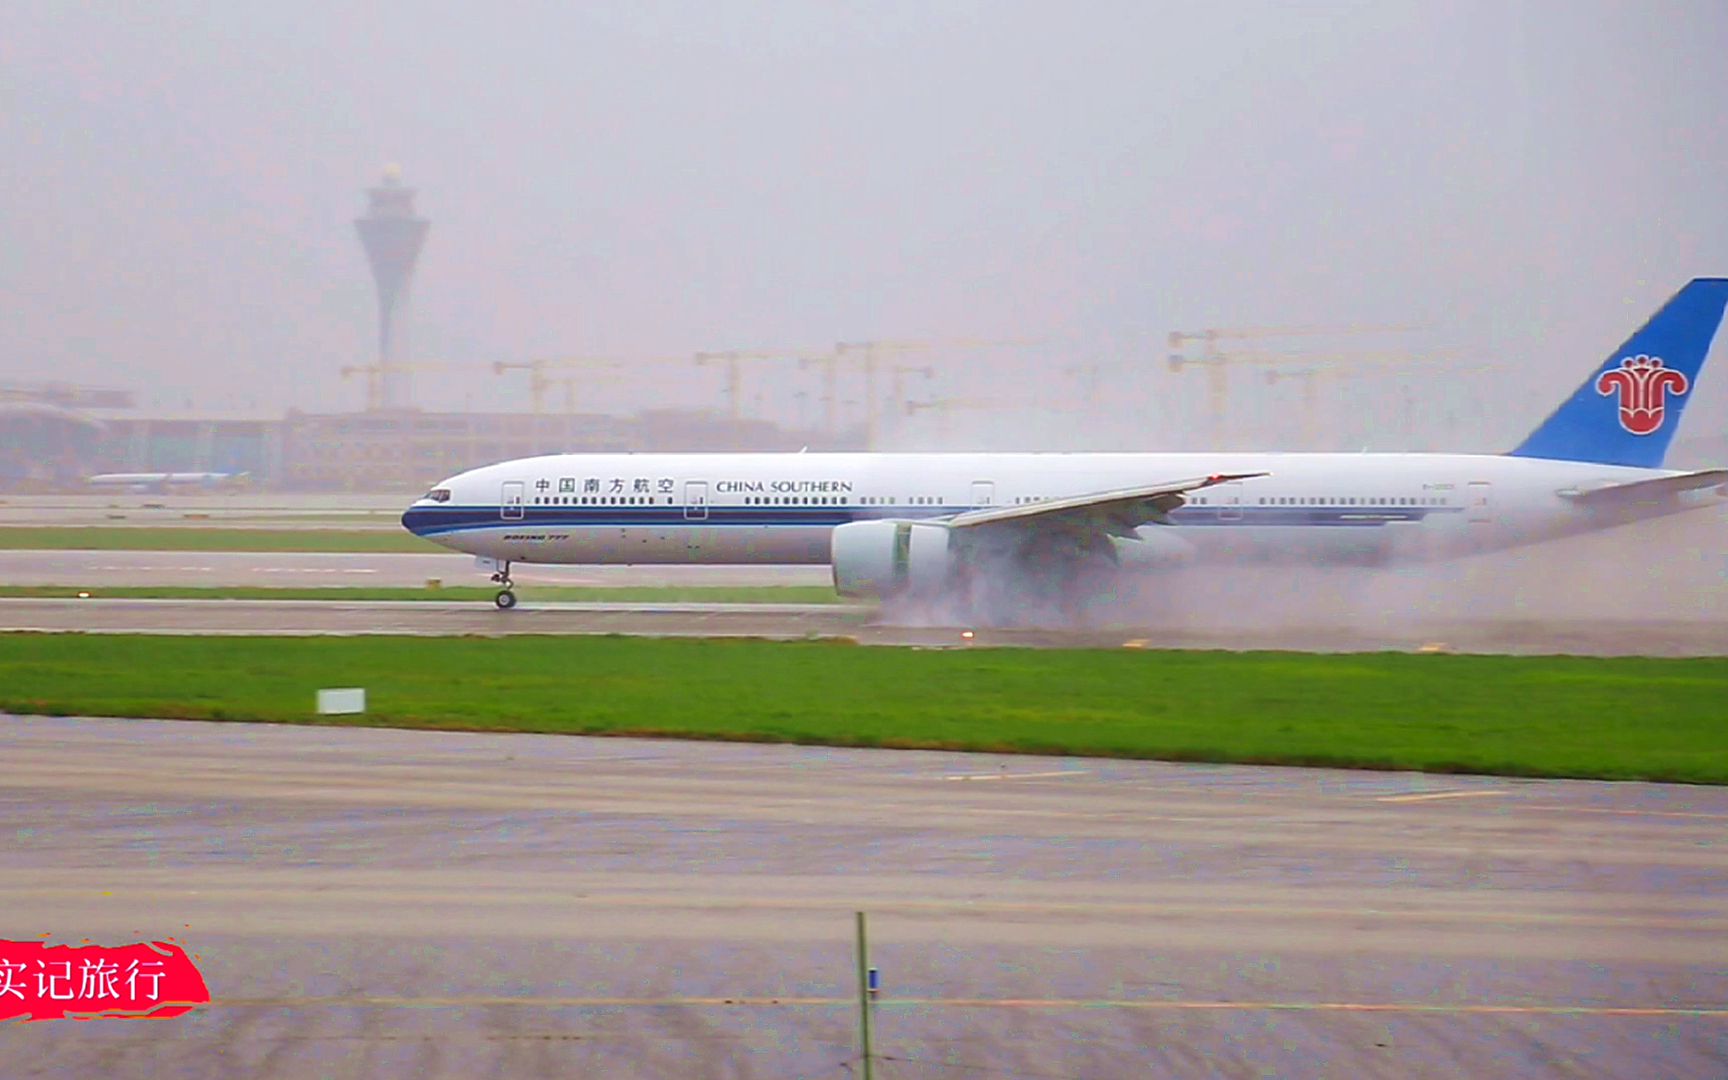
(1526,180)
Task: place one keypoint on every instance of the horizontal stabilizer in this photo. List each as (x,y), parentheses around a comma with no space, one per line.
(1643,491)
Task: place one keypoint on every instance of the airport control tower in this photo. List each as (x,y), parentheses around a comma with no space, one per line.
(392,236)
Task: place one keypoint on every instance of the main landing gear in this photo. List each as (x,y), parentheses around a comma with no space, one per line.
(506,598)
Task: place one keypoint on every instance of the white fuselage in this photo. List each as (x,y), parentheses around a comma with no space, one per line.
(781,508)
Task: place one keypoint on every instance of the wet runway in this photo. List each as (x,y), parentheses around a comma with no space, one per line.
(300,570)
(381,903)
(861,623)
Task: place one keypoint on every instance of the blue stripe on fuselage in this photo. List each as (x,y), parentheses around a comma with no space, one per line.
(429,521)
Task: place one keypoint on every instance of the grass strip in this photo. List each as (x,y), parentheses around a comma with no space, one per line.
(200,538)
(659,594)
(1622,718)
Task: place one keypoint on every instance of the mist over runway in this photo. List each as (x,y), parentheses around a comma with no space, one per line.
(1657,588)
(392,903)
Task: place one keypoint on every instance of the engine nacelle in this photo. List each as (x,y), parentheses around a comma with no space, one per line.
(888,558)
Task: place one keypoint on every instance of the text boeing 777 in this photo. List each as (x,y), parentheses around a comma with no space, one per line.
(926,523)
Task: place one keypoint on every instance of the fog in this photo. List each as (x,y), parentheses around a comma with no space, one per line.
(1652,587)
(1522,183)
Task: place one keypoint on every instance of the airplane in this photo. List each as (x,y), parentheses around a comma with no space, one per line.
(167,481)
(915,524)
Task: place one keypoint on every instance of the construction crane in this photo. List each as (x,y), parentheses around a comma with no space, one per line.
(897,386)
(946,407)
(830,362)
(734,359)
(872,353)
(539,382)
(1217,361)
(1105,365)
(375,377)
(1313,377)
(1318,368)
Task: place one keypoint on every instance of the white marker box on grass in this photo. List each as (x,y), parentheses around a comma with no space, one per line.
(342,699)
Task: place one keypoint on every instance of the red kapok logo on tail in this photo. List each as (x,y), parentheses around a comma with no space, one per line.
(152,981)
(1643,383)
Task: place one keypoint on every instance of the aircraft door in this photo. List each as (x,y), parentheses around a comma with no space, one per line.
(695,500)
(1479,502)
(983,493)
(1230,501)
(510,506)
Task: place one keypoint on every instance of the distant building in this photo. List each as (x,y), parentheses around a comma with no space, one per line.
(400,451)
(48,436)
(45,447)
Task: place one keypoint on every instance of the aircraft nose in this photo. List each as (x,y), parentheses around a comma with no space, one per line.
(416,519)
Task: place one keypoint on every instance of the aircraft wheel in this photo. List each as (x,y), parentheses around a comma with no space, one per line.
(505,600)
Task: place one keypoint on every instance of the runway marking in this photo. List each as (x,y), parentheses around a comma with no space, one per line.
(158,569)
(1017,776)
(1432,796)
(310,570)
(491,1000)
(1628,813)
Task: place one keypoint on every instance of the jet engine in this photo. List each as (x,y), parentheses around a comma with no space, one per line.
(889,558)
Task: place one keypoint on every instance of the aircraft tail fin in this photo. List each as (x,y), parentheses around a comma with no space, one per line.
(1627,410)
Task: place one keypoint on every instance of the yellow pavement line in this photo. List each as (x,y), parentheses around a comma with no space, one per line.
(1430,796)
(1018,776)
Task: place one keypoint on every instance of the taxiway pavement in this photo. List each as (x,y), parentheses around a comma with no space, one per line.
(862,623)
(370,903)
(202,509)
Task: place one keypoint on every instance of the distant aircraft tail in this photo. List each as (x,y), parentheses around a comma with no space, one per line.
(1627,410)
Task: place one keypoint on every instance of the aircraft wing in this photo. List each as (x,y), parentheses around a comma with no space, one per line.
(1644,491)
(1116,513)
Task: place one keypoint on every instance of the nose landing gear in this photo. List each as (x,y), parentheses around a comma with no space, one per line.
(506,598)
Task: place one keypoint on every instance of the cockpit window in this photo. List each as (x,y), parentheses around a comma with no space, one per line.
(439,495)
